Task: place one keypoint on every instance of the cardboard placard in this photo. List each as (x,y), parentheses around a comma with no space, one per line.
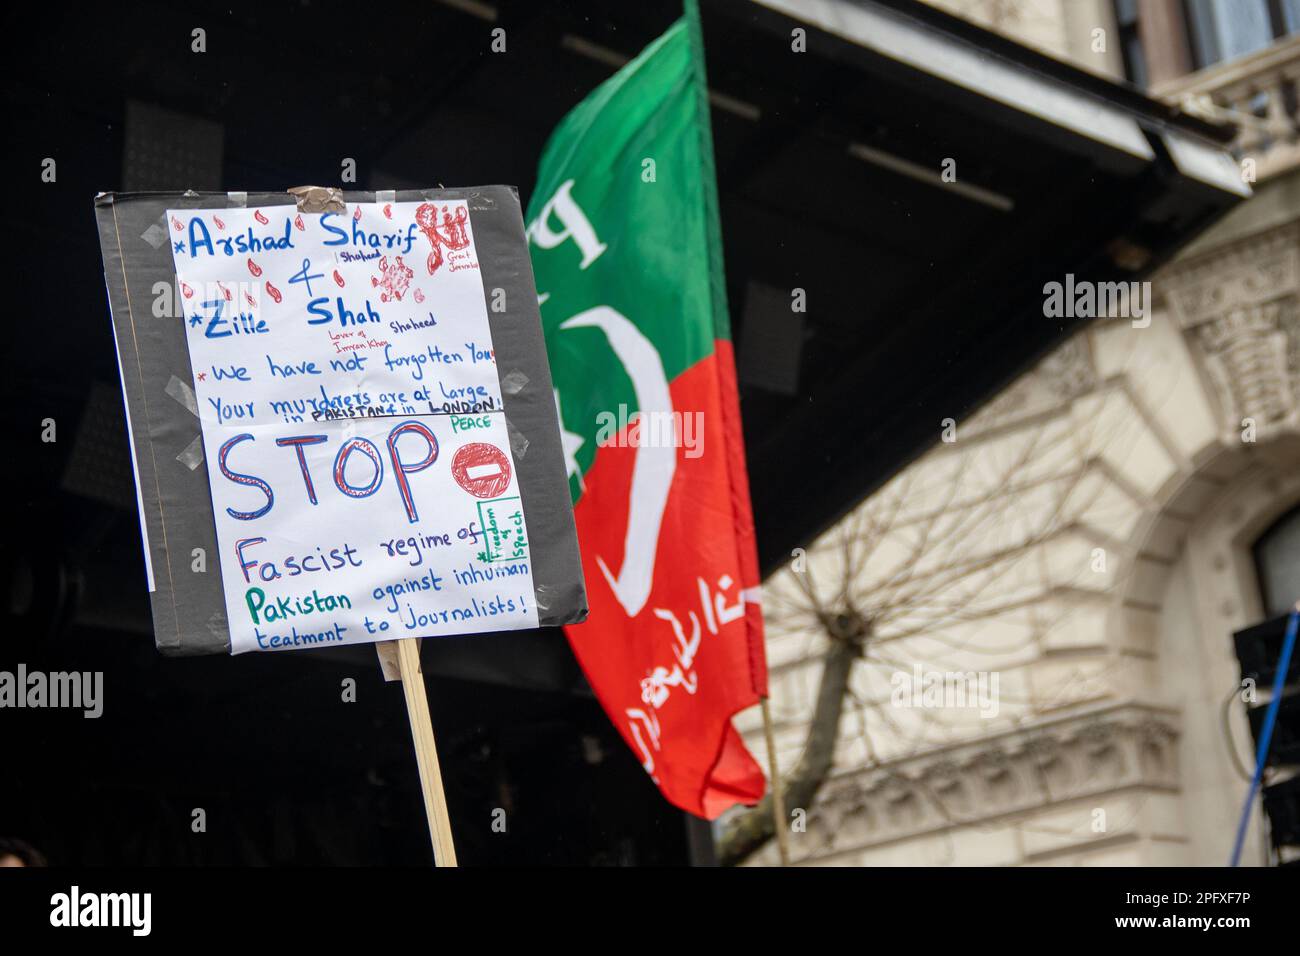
(342,422)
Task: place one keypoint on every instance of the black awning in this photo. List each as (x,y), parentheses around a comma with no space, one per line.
(923,297)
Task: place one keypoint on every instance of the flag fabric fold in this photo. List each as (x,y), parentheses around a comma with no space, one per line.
(627,254)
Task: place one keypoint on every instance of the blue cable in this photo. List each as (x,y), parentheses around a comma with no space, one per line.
(1266,733)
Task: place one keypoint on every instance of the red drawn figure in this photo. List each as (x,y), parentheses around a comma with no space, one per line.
(450,233)
(176,224)
(186,291)
(254,268)
(338,279)
(299,224)
(388,211)
(419,296)
(481,469)
(225,291)
(257,214)
(396,279)
(356,216)
(220,225)
(252,303)
(273,292)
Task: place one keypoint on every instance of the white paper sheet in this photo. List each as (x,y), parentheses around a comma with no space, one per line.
(362,479)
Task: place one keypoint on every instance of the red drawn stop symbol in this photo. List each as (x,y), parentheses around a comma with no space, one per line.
(481,469)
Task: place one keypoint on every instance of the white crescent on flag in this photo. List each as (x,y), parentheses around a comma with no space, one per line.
(656,463)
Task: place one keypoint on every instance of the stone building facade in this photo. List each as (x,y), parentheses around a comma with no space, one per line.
(1052,590)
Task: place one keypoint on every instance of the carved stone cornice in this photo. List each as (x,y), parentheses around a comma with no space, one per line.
(1054,762)
(1239,306)
(1248,271)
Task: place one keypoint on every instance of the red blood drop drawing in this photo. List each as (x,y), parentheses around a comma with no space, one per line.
(220,225)
(257,214)
(481,469)
(273,292)
(252,303)
(388,211)
(338,279)
(254,268)
(176,224)
(224,291)
(186,291)
(356,216)
(419,296)
(299,224)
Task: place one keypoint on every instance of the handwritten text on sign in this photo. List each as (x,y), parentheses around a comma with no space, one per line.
(362,480)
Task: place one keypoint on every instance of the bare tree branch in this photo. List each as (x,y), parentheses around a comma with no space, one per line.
(748,831)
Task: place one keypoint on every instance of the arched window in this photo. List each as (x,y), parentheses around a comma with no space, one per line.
(1277,560)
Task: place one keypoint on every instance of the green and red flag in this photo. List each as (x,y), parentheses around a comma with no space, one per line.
(626,248)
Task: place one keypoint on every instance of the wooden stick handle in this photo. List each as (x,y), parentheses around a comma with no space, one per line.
(426,751)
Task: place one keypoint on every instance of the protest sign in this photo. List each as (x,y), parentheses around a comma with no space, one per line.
(349,412)
(361,479)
